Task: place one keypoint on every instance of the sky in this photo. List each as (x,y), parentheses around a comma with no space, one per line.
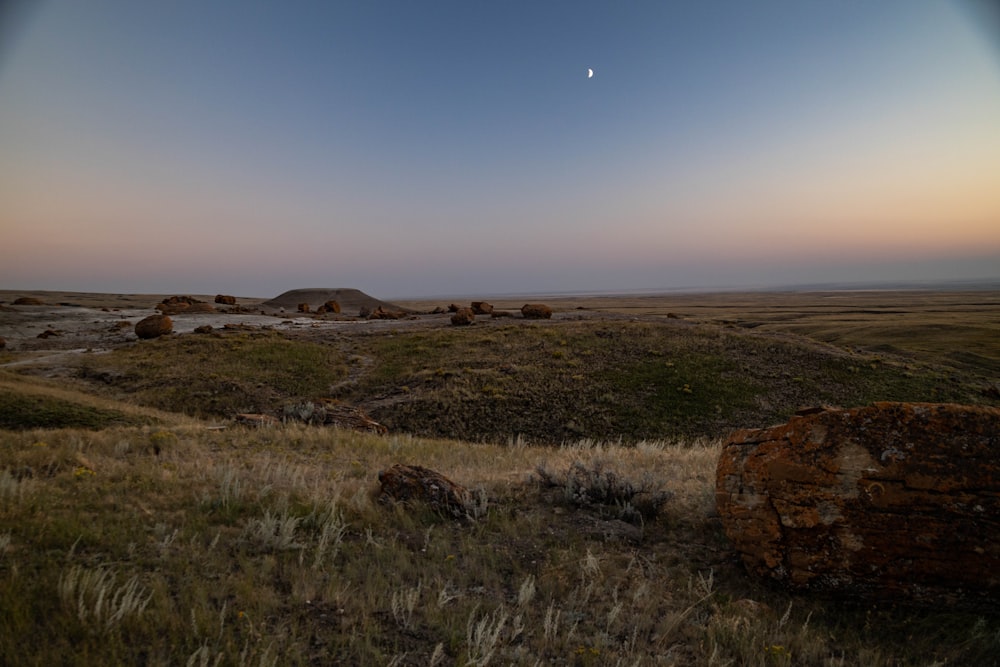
(416,149)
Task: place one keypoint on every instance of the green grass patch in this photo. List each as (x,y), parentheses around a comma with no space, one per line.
(219,376)
(563,382)
(29,411)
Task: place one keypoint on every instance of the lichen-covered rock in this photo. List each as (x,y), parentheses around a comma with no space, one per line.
(463,317)
(536,311)
(154,326)
(404,483)
(482,307)
(894,500)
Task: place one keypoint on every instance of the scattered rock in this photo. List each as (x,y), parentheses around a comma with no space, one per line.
(891,501)
(225,299)
(304,308)
(331,412)
(28,301)
(463,317)
(501,313)
(154,326)
(405,483)
(329,307)
(381,313)
(454,308)
(49,333)
(203,329)
(536,311)
(482,308)
(3,342)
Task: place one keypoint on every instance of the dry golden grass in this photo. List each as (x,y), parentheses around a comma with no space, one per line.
(269,546)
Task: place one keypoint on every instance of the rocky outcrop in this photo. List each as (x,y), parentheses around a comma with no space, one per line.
(407,483)
(482,308)
(463,317)
(329,307)
(154,326)
(304,308)
(536,311)
(28,301)
(894,500)
(177,305)
(225,299)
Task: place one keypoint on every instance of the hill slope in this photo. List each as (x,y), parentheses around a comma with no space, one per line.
(350,300)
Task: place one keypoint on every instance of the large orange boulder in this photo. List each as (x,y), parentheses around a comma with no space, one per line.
(330,306)
(225,299)
(28,301)
(482,307)
(891,501)
(536,311)
(154,326)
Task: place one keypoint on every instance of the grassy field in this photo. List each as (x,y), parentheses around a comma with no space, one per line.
(135,530)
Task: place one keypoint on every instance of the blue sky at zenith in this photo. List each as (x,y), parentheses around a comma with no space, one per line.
(450,148)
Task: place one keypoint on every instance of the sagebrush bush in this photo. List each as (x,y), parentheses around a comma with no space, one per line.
(595,484)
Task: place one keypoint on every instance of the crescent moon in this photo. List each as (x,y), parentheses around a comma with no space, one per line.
(590,74)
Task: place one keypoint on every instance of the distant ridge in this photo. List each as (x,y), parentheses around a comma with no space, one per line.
(350,300)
